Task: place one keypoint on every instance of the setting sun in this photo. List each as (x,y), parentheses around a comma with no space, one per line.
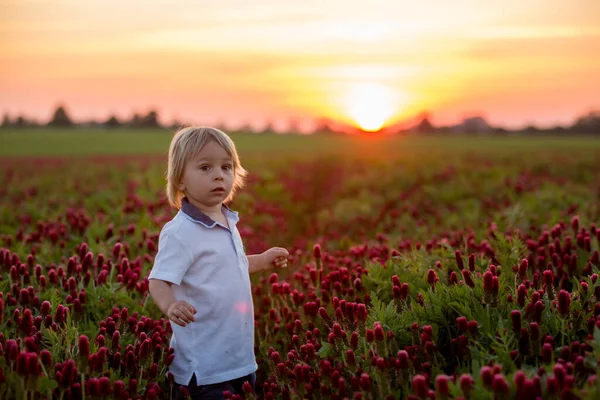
(371,105)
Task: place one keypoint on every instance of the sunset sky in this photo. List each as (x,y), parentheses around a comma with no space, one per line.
(516,62)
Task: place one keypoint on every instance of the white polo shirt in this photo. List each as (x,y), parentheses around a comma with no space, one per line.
(209,269)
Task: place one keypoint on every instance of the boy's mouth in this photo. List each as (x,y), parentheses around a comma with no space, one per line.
(219,189)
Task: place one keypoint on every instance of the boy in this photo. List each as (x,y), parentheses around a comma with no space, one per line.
(200,278)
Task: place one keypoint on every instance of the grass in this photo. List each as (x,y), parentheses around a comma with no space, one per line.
(86,142)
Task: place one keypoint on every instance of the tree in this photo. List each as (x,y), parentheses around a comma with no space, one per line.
(136,121)
(21,122)
(589,123)
(531,130)
(112,122)
(150,120)
(323,126)
(425,125)
(6,122)
(246,128)
(269,128)
(60,118)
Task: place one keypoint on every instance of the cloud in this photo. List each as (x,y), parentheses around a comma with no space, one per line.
(535,45)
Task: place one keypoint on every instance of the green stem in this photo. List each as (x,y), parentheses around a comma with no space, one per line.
(111,274)
(487,314)
(24,391)
(319,272)
(141,373)
(562,333)
(145,301)
(82,386)
(45,373)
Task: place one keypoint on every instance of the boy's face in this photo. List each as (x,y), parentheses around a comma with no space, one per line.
(208,177)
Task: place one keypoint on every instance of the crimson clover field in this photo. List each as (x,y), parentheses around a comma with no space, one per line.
(419,267)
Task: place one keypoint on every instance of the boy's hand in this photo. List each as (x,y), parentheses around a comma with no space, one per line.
(181,312)
(276,256)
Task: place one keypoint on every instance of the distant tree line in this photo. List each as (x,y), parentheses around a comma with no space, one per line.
(61,119)
(587,124)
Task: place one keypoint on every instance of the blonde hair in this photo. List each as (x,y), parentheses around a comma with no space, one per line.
(186,144)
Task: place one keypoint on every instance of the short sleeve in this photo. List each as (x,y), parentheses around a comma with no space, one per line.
(172,259)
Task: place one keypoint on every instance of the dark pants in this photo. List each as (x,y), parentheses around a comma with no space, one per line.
(214,391)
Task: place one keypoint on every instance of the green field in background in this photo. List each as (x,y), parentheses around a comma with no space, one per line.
(86,142)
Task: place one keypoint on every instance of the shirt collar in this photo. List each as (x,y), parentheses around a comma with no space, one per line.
(197,215)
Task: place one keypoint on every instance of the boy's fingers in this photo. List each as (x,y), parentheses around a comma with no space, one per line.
(188,315)
(181,314)
(280,252)
(191,309)
(282,262)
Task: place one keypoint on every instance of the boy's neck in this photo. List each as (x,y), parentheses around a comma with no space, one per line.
(215,210)
(215,213)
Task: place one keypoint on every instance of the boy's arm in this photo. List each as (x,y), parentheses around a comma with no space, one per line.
(256,263)
(161,293)
(180,312)
(170,265)
(274,257)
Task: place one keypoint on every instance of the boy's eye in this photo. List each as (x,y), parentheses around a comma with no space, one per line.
(227,167)
(204,167)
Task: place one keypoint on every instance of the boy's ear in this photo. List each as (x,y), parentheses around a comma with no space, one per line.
(181,186)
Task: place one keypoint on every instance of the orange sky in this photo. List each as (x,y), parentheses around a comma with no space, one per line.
(515,62)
